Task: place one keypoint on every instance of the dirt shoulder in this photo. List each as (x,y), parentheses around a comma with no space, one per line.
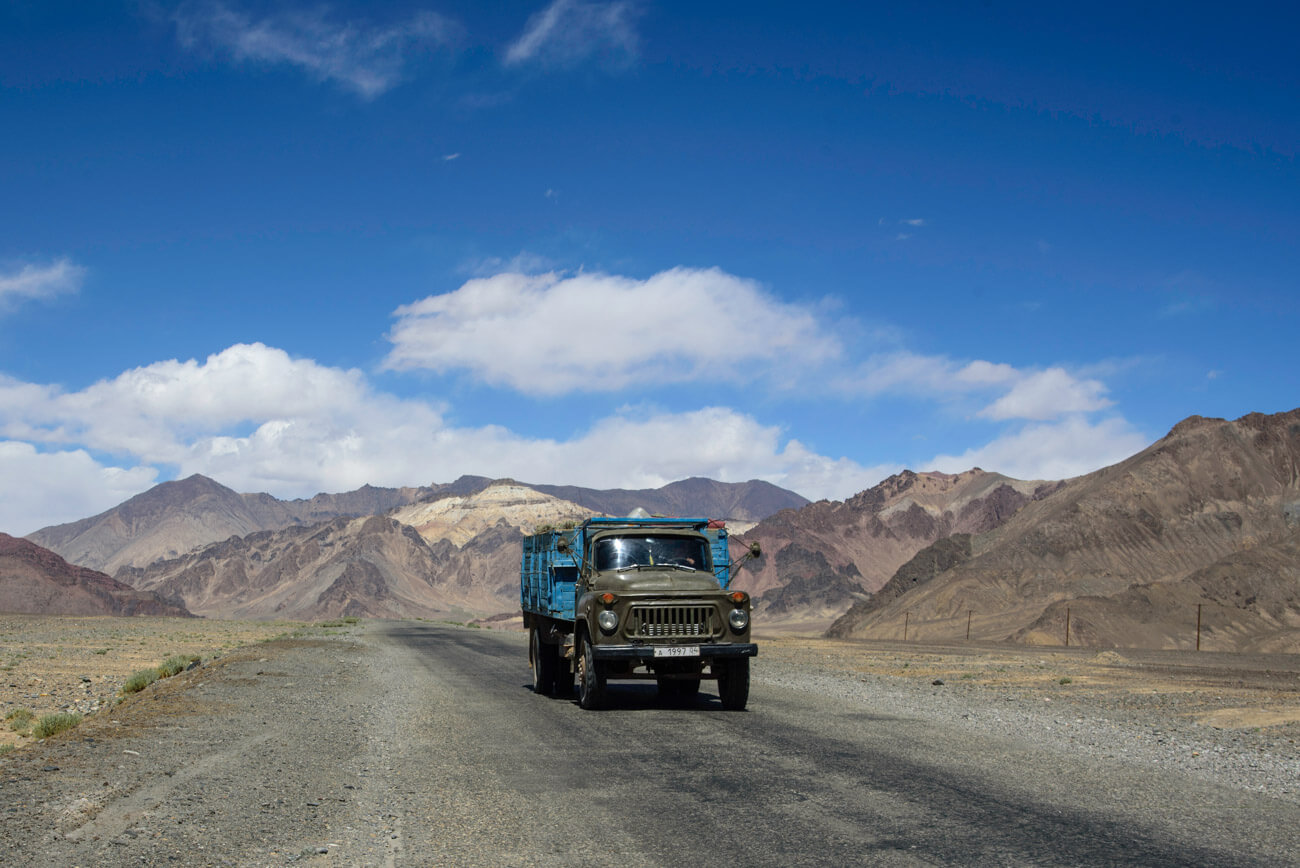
(78,664)
(1228,691)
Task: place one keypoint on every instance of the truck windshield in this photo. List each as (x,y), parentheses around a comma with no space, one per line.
(626,552)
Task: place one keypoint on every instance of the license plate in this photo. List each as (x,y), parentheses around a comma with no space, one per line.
(677,651)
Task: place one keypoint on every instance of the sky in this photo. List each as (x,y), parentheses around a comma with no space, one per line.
(302,247)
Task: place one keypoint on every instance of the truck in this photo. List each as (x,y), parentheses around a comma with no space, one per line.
(636,598)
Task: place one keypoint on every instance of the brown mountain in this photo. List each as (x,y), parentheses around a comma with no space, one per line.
(818,560)
(371,566)
(174,518)
(454,555)
(1209,515)
(37,581)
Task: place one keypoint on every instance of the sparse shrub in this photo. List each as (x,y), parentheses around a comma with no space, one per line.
(53,724)
(140,680)
(1065,680)
(176,663)
(5,748)
(101,650)
(20,720)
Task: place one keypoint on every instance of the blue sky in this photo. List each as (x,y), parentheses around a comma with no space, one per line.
(301,247)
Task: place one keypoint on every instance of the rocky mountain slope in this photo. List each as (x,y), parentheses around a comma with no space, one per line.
(174,518)
(36,581)
(372,566)
(456,555)
(1209,515)
(819,560)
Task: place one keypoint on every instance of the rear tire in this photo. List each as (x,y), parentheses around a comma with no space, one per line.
(733,684)
(545,660)
(591,680)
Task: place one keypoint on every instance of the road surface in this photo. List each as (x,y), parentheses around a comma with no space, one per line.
(410,743)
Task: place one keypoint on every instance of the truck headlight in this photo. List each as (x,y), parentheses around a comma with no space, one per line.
(739,620)
(608,620)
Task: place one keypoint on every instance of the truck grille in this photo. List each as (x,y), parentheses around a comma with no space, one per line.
(679,622)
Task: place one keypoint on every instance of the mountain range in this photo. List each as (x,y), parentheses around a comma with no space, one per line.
(1208,517)
(36,581)
(820,559)
(1206,522)
(442,550)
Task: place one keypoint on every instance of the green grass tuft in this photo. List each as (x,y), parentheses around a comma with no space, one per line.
(140,680)
(175,664)
(20,720)
(53,724)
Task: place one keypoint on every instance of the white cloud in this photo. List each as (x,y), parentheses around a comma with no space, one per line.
(256,419)
(1059,450)
(570,31)
(362,57)
(1029,394)
(1047,395)
(149,411)
(548,334)
(38,489)
(645,449)
(35,281)
(911,373)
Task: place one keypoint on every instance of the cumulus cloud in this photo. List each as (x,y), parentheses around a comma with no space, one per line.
(40,281)
(1047,395)
(257,419)
(1026,394)
(364,58)
(1058,450)
(38,489)
(913,373)
(569,31)
(150,410)
(550,334)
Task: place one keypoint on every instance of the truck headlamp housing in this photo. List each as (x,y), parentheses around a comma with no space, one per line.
(608,621)
(739,620)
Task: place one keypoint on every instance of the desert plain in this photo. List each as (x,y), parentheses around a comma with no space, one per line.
(54,664)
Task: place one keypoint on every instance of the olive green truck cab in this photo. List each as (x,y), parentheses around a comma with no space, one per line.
(636,598)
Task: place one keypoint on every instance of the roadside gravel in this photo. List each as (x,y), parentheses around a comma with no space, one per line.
(364,747)
(1148,721)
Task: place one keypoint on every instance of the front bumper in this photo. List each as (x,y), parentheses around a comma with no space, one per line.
(646,653)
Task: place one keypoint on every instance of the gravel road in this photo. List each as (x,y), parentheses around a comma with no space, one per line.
(408,743)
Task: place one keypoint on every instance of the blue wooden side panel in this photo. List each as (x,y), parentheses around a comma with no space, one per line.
(546,577)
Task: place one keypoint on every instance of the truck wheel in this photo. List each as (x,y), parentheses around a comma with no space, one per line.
(733,684)
(591,681)
(545,660)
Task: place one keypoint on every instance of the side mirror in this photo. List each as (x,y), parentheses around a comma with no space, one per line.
(754,550)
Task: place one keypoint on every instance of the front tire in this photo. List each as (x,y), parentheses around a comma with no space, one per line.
(733,684)
(591,680)
(545,659)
